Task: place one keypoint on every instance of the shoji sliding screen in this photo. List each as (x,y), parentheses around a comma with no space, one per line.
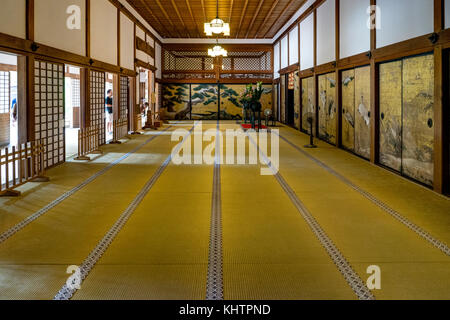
(97,105)
(124,99)
(49,110)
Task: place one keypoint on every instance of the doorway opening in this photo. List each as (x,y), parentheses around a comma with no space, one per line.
(111,104)
(290,114)
(72,112)
(9,101)
(144,94)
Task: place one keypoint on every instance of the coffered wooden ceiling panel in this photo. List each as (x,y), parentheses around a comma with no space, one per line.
(250,19)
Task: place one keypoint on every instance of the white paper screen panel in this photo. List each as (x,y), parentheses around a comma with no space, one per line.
(51,24)
(284,52)
(276,60)
(104,31)
(140,33)
(126,42)
(404,19)
(293,46)
(12,18)
(326,32)
(307,43)
(354,33)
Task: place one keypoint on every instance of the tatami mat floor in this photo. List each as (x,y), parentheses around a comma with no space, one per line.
(268,249)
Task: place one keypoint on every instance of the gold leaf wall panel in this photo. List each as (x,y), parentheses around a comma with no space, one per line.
(327,107)
(175,104)
(362,112)
(407,118)
(418,118)
(296,101)
(275,101)
(230,107)
(391,114)
(308,103)
(348,109)
(204,101)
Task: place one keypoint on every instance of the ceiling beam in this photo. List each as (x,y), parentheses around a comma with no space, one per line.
(188,4)
(231,11)
(167,17)
(258,9)
(155,18)
(179,17)
(268,15)
(205,18)
(277,20)
(242,18)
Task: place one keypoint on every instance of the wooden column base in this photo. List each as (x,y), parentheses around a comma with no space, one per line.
(41,179)
(83,158)
(97,152)
(10,193)
(115,142)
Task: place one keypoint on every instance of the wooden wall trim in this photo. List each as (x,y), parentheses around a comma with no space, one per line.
(145,47)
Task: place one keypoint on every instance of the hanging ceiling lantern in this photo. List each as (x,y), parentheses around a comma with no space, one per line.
(217,51)
(217,26)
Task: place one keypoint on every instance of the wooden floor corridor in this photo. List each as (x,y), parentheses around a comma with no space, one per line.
(142,227)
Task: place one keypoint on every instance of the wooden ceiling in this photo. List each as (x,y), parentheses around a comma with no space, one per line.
(249,19)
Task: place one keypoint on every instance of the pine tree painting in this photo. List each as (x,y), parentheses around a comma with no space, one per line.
(176,102)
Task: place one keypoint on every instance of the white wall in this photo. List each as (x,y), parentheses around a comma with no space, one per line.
(284,52)
(13,18)
(276,60)
(126,42)
(404,19)
(140,33)
(354,33)
(293,45)
(51,29)
(307,43)
(326,32)
(104,31)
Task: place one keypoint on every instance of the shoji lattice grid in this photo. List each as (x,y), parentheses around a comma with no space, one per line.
(49,110)
(76,93)
(4,92)
(97,105)
(123,97)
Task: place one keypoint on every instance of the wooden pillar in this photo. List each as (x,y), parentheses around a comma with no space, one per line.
(374,97)
(30,98)
(338,97)
(85,90)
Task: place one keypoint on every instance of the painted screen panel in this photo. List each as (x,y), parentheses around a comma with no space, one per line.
(230,107)
(175,104)
(354,34)
(391,114)
(326,39)
(275,100)
(204,101)
(327,107)
(296,101)
(447,14)
(283,98)
(308,103)
(348,109)
(418,118)
(362,112)
(307,43)
(397,17)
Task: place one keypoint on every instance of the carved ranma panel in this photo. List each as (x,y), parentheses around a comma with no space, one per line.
(175,104)
(407,118)
(308,103)
(327,107)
